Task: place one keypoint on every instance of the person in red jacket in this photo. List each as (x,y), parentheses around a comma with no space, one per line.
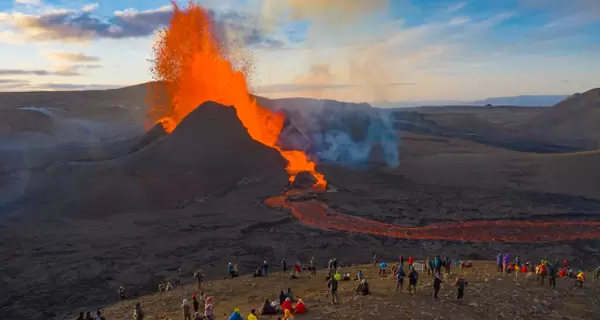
(300,307)
(286,305)
(410,261)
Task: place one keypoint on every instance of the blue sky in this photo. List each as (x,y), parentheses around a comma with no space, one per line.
(371,50)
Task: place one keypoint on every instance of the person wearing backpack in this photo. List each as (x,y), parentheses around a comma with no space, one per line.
(399,279)
(460,284)
(413,276)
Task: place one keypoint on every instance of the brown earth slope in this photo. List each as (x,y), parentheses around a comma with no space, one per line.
(573,121)
(489,295)
(453,162)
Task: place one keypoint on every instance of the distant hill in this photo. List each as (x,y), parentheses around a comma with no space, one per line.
(519,101)
(522,101)
(574,121)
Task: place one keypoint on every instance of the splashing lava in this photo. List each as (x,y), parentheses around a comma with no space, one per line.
(192,63)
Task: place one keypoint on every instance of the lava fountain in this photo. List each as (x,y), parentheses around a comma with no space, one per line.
(192,63)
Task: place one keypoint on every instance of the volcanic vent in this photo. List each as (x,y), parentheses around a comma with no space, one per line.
(209,151)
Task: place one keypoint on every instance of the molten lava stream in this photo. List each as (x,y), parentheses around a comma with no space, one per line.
(319,215)
(194,65)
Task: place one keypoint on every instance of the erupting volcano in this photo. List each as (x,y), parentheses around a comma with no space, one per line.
(194,65)
(193,62)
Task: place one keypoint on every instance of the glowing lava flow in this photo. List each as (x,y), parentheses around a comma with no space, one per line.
(193,65)
(319,215)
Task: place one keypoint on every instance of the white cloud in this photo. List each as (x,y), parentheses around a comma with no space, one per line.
(90,7)
(459,20)
(29,2)
(68,56)
(455,7)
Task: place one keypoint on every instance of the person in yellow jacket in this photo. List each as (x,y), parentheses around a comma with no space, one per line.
(252,315)
(288,315)
(581,278)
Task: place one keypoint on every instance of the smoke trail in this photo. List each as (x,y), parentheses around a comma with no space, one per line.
(354,139)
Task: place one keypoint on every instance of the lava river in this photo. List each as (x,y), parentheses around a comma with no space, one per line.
(319,215)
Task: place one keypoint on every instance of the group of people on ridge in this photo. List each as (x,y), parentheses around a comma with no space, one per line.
(202,308)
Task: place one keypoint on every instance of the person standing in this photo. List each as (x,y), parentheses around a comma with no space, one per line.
(209,310)
(186,310)
(284,267)
(580,278)
(437,283)
(313,266)
(413,277)
(199,276)
(333,290)
(265,268)
(499,262)
(505,262)
(460,284)
(552,274)
(399,279)
(122,293)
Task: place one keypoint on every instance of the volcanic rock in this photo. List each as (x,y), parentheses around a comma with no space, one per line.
(156,132)
(209,152)
(304,180)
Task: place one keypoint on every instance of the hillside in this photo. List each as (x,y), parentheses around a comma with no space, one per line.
(426,159)
(573,121)
(202,156)
(489,295)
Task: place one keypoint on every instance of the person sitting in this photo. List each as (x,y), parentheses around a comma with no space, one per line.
(300,307)
(198,316)
(469,264)
(346,277)
(258,273)
(161,286)
(252,315)
(282,297)
(363,287)
(287,315)
(287,305)
(236,315)
(290,295)
(169,286)
(268,308)
(382,269)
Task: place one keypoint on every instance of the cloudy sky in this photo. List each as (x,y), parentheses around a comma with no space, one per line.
(358,50)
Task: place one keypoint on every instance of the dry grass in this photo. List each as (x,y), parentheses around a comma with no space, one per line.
(489,296)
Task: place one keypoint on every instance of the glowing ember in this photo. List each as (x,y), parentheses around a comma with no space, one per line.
(193,64)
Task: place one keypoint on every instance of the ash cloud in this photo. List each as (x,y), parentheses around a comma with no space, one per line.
(349,134)
(358,139)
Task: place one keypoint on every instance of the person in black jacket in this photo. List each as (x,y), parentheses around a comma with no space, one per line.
(437,282)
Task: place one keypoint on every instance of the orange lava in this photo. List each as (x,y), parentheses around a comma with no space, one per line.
(319,215)
(193,65)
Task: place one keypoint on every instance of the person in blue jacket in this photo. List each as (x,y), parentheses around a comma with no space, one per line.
(236,315)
